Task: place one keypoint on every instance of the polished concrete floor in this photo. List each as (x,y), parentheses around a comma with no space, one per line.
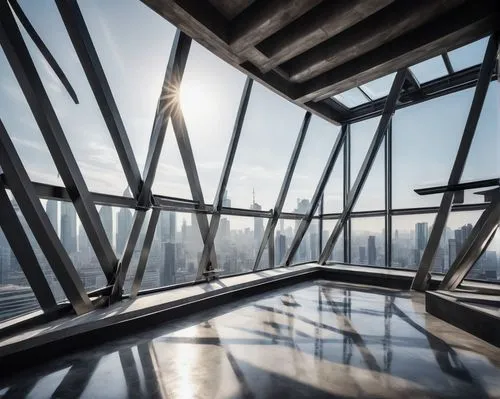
(317,339)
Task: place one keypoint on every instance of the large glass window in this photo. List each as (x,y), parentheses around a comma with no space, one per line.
(318,144)
(372,196)
(237,242)
(175,252)
(264,150)
(210,96)
(134,60)
(368,241)
(425,139)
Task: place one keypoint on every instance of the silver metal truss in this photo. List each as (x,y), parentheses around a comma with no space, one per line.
(24,69)
(268,236)
(226,170)
(420,281)
(367,163)
(474,246)
(388,194)
(347,187)
(40,225)
(306,220)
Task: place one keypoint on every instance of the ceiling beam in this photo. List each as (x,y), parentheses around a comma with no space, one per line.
(263,18)
(457,28)
(322,22)
(379,28)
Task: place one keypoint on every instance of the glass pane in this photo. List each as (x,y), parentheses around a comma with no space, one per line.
(23,130)
(82,123)
(309,247)
(372,196)
(175,252)
(171,179)
(337,254)
(368,241)
(429,69)
(210,95)
(333,196)
(316,149)
(483,161)
(283,236)
(486,267)
(425,140)
(380,87)
(136,84)
(351,98)
(469,55)
(237,242)
(409,238)
(264,150)
(16,295)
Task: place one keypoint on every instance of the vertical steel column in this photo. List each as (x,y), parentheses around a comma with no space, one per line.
(182,137)
(388,196)
(21,247)
(474,246)
(168,98)
(40,225)
(146,247)
(321,210)
(325,176)
(226,170)
(347,187)
(420,279)
(82,42)
(21,63)
(271,249)
(389,107)
(285,185)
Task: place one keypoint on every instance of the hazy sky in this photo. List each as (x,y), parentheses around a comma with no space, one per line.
(134,43)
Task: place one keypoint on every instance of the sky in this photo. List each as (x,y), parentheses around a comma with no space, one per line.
(425,136)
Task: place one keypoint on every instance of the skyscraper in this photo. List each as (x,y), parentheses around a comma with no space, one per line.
(51,210)
(258,224)
(421,236)
(372,251)
(362,255)
(167,271)
(123,226)
(106,214)
(452,251)
(68,226)
(279,247)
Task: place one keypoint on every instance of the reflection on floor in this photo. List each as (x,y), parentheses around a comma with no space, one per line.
(315,339)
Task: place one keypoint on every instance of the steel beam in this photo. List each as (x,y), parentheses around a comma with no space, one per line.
(474,246)
(146,248)
(40,225)
(320,188)
(128,252)
(447,63)
(169,96)
(347,188)
(285,185)
(186,151)
(43,48)
(24,69)
(80,37)
(420,280)
(388,195)
(367,163)
(226,170)
(21,247)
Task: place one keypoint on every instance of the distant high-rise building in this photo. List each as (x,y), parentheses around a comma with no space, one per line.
(372,251)
(258,224)
(421,236)
(167,271)
(123,226)
(314,241)
(51,210)
(362,255)
(106,214)
(224,228)
(68,227)
(452,251)
(279,247)
(168,222)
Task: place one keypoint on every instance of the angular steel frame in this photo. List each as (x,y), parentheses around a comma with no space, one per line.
(474,246)
(285,185)
(226,170)
(40,225)
(379,135)
(23,251)
(318,193)
(26,74)
(420,280)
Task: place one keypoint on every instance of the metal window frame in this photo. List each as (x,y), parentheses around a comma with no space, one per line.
(421,277)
